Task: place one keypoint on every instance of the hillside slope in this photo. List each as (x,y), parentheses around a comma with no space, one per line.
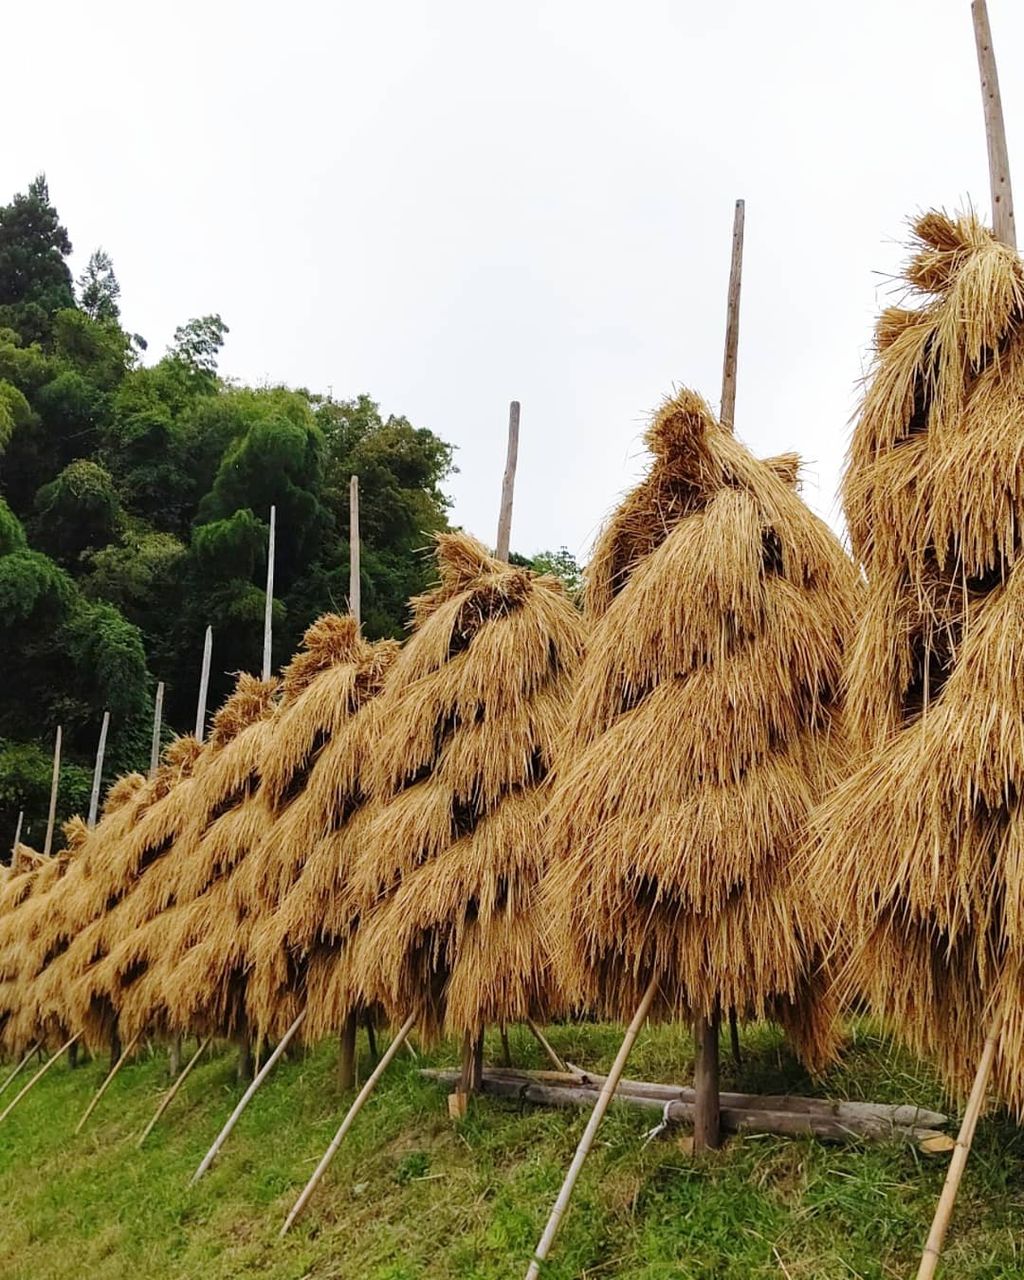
(412,1195)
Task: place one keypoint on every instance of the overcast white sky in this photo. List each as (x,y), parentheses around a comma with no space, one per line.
(452,204)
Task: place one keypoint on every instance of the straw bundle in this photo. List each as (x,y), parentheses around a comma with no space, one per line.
(702,728)
(923,847)
(451,853)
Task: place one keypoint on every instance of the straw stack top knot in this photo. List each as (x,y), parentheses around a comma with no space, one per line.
(181,754)
(331,640)
(75,833)
(124,789)
(251,701)
(680,427)
(465,565)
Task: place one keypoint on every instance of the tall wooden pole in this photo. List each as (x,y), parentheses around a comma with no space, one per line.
(604,1099)
(995,131)
(17,834)
(732,322)
(268,611)
(204,685)
(158,715)
(508,482)
(707,1122)
(54,784)
(355,595)
(97,773)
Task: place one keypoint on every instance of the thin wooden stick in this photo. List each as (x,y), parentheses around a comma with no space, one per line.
(204,685)
(944,1210)
(545,1045)
(355,593)
(732,321)
(593,1124)
(39,1075)
(172,1092)
(508,482)
(268,608)
(158,715)
(346,1124)
(54,784)
(97,773)
(506,1051)
(126,1054)
(995,131)
(246,1098)
(18,1069)
(17,834)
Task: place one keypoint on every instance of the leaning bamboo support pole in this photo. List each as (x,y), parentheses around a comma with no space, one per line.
(246,1098)
(995,131)
(544,1043)
(97,773)
(54,785)
(944,1210)
(18,1069)
(39,1075)
(158,715)
(593,1124)
(727,414)
(355,590)
(346,1124)
(268,605)
(172,1092)
(508,482)
(204,685)
(125,1055)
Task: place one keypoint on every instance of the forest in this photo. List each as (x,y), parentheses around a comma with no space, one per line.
(135,493)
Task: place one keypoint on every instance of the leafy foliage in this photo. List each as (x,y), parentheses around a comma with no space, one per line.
(135,500)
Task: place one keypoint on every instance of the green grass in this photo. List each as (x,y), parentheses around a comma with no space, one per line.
(413,1195)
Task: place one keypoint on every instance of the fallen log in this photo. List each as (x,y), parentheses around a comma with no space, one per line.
(741,1113)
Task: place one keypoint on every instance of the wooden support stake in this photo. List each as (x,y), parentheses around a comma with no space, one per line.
(508,482)
(732,322)
(172,1092)
(944,1210)
(17,835)
(204,685)
(18,1069)
(174,1057)
(355,594)
(347,1054)
(158,715)
(97,773)
(39,1075)
(246,1098)
(506,1052)
(542,1040)
(734,1038)
(593,1124)
(346,1124)
(707,1120)
(106,1083)
(268,607)
(371,1036)
(54,784)
(995,130)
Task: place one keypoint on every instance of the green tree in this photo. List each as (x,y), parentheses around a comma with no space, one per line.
(197,344)
(77,512)
(34,277)
(98,289)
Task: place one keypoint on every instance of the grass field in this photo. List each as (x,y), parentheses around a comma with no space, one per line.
(413,1195)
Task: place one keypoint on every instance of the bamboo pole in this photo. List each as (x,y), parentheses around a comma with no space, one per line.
(355,593)
(593,1124)
(542,1040)
(158,715)
(54,784)
(17,834)
(995,130)
(204,685)
(944,1209)
(18,1069)
(39,1075)
(246,1098)
(268,609)
(346,1124)
(125,1055)
(97,773)
(508,482)
(727,414)
(172,1092)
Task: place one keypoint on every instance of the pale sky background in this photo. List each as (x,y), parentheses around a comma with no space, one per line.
(452,204)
